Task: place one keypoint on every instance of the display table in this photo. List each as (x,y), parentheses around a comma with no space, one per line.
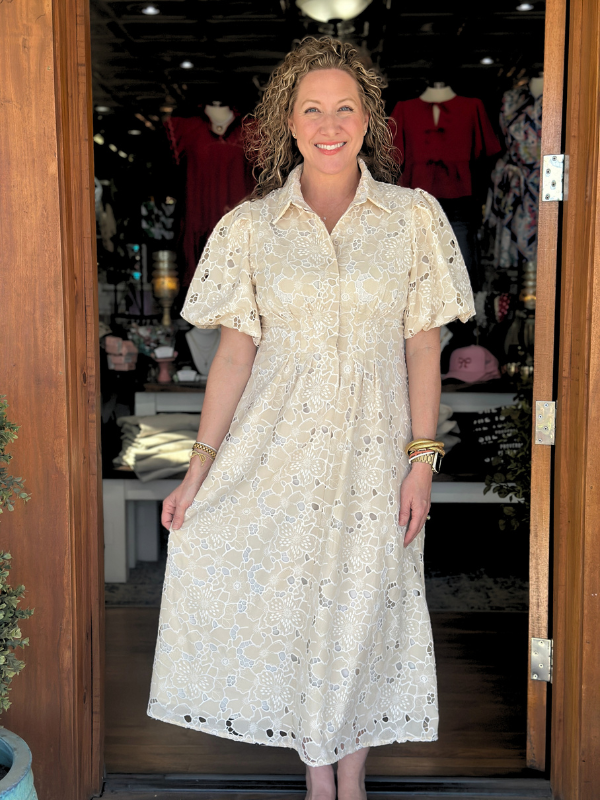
(170,397)
(132,530)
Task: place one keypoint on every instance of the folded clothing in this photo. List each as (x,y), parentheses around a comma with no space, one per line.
(157,446)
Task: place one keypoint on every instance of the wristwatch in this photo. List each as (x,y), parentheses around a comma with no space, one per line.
(433,459)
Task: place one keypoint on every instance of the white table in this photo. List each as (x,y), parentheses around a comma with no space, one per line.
(131,513)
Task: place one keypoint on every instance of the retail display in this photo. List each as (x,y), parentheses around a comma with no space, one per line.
(471,364)
(158,446)
(438,156)
(217,174)
(512,203)
(440,135)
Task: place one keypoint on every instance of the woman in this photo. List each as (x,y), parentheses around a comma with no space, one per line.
(293,611)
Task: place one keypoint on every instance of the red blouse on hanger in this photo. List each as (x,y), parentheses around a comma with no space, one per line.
(218,177)
(438,158)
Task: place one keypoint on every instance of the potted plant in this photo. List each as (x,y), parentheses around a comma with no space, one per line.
(16,778)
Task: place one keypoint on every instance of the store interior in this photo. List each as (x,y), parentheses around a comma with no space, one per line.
(172,83)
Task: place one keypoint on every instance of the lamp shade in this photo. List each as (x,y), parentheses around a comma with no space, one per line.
(324,10)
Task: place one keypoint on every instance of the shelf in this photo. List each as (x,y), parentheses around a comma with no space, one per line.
(464,492)
(476,401)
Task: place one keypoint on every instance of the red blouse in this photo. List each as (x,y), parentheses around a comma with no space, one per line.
(218,177)
(438,158)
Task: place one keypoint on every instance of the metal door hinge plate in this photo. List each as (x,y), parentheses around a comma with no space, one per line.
(545,421)
(541,660)
(553,178)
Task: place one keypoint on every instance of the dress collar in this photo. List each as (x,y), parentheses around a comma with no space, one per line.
(291,193)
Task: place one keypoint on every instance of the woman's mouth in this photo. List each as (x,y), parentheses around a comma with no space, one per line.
(335,147)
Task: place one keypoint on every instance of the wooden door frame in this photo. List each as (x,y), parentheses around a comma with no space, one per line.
(50,369)
(575,768)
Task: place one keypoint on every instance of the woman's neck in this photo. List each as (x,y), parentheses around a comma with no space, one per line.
(322,191)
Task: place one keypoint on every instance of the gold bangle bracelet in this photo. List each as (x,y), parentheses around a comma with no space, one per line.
(420,444)
(201,456)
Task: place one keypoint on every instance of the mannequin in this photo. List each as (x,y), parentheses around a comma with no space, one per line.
(203,344)
(444,140)
(438,93)
(536,85)
(220,116)
(209,148)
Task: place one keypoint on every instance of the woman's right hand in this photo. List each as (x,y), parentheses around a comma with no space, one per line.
(178,502)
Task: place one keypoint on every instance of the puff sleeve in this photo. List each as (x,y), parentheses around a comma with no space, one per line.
(222,291)
(439,289)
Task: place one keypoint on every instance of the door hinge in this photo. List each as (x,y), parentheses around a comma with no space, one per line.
(541,660)
(545,421)
(555,174)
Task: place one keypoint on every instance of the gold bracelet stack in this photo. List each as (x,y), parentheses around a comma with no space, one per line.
(426,450)
(203,451)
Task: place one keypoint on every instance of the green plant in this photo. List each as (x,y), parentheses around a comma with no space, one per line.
(11,488)
(512,479)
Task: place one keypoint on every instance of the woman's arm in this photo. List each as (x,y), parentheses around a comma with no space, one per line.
(424,389)
(227,379)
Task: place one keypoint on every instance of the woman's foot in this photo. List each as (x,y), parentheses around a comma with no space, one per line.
(320,783)
(351,776)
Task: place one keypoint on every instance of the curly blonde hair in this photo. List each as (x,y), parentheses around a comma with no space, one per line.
(268,140)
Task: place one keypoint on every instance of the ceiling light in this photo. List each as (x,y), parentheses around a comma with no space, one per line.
(186,65)
(102,109)
(150,10)
(99,139)
(122,154)
(487,60)
(134,132)
(113,147)
(324,10)
(525,7)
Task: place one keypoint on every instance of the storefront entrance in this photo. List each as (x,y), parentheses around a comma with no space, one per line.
(50,359)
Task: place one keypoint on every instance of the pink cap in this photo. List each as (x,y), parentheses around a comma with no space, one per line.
(472,363)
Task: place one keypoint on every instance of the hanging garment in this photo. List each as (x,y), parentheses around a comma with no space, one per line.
(512,205)
(217,177)
(292,614)
(438,158)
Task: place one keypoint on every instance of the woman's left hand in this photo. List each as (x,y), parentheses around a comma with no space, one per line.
(415,499)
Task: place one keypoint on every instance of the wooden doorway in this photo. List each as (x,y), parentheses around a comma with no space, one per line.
(48,277)
(475,743)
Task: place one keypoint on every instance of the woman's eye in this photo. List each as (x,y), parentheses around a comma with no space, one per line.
(310,109)
(346,108)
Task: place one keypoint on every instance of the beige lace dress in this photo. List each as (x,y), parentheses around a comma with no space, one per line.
(291,614)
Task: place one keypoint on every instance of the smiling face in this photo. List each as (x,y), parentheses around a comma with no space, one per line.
(329,121)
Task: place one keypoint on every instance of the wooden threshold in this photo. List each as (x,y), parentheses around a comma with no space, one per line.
(266,787)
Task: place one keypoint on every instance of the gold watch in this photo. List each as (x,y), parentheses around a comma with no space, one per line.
(433,459)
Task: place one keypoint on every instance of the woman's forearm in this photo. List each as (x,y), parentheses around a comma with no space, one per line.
(424,382)
(227,379)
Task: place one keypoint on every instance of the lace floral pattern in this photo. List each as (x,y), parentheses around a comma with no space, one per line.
(292,615)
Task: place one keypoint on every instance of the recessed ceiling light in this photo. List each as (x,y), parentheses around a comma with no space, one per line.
(113,147)
(134,132)
(122,154)
(99,139)
(325,10)
(487,60)
(102,109)
(186,65)
(150,10)
(525,7)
